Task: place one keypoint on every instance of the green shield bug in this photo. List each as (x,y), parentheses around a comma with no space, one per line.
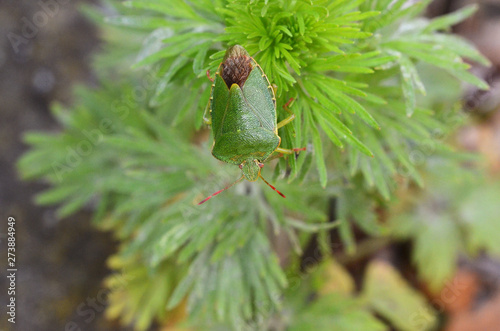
(243,116)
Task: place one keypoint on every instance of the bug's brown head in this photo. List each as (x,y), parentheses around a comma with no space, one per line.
(236,66)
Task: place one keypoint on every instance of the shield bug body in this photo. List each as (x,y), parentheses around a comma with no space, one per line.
(243,116)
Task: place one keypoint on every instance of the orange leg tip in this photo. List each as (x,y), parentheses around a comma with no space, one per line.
(208,75)
(288,103)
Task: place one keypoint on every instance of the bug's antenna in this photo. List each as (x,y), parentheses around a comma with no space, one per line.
(225,188)
(274,188)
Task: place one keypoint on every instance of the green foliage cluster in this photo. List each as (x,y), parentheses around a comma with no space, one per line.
(456,212)
(363,74)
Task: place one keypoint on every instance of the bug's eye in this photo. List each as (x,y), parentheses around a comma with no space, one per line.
(241,166)
(261,165)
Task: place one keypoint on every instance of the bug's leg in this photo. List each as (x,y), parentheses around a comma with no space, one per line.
(273,156)
(287,105)
(288,151)
(208,75)
(286,121)
(282,123)
(289,118)
(280,152)
(207,119)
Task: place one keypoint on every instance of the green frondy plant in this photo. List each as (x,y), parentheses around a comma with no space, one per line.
(135,149)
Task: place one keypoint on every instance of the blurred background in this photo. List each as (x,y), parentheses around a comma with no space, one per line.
(62,263)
